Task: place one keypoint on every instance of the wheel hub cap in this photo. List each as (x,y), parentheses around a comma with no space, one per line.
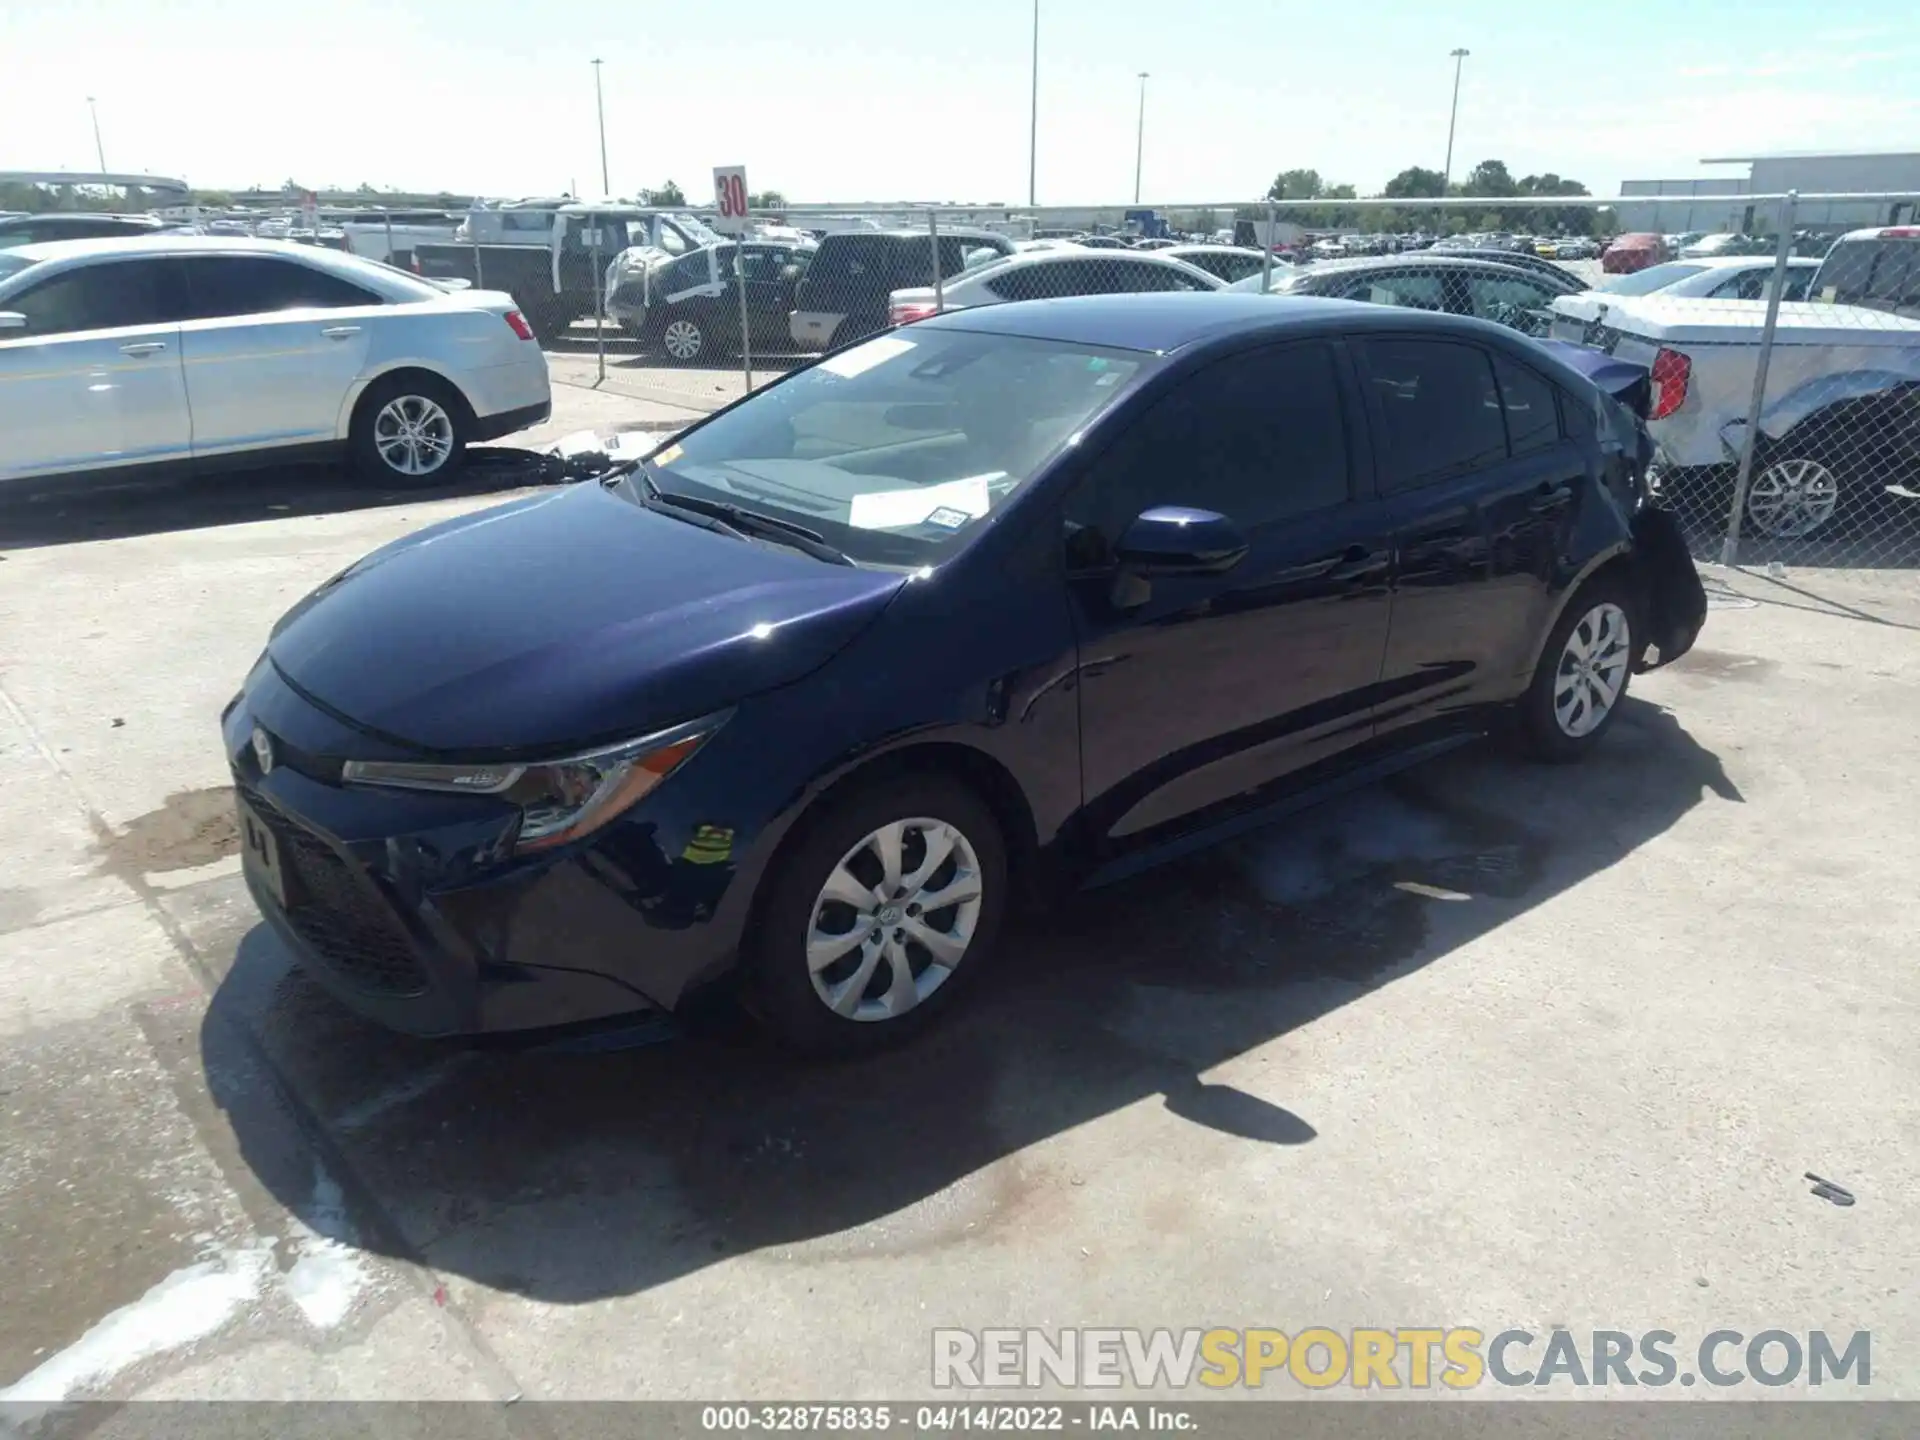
(1792,498)
(1592,670)
(413,435)
(894,919)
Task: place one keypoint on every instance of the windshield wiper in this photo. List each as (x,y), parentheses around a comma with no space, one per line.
(734,518)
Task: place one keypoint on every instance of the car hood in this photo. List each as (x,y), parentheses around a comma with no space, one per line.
(564,619)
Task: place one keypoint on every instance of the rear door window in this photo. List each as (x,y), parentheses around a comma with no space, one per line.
(1533,419)
(226,286)
(1437,409)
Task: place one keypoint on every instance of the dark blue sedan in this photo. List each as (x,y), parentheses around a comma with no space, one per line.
(1024,594)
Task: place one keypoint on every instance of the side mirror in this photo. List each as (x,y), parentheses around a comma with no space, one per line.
(1174,540)
(12,320)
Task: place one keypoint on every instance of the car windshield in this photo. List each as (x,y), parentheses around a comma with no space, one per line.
(696,228)
(11,265)
(895,449)
(1645,282)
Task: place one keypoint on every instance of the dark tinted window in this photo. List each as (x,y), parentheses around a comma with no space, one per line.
(1533,420)
(1438,407)
(1408,288)
(102,297)
(230,285)
(1229,265)
(688,272)
(1257,437)
(1118,277)
(1513,301)
(1881,274)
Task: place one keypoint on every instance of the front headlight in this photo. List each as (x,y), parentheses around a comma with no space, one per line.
(559,800)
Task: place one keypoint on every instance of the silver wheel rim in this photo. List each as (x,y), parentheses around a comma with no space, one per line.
(1592,670)
(413,434)
(1792,498)
(682,339)
(894,919)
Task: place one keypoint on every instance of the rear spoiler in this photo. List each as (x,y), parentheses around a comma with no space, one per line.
(1626,382)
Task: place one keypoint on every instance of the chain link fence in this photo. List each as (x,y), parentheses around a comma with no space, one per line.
(1782,357)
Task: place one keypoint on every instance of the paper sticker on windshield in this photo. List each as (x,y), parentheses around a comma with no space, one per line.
(948,518)
(900,509)
(863,358)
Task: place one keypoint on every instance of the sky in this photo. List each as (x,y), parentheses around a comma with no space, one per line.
(842,100)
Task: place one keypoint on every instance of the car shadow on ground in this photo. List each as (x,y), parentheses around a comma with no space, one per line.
(571,1177)
(67,513)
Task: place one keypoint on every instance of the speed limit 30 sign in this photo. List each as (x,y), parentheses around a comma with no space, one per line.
(730,198)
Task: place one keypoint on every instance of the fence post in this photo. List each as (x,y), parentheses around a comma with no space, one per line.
(1730,548)
(599,300)
(1266,250)
(740,280)
(939,284)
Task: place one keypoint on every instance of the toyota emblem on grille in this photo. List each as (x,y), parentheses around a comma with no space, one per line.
(263,750)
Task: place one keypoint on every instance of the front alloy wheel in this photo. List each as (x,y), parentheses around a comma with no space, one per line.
(894,919)
(1792,498)
(413,435)
(682,340)
(1592,671)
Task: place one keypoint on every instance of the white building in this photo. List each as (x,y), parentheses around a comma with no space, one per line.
(1719,203)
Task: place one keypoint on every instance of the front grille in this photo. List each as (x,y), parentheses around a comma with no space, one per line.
(338,912)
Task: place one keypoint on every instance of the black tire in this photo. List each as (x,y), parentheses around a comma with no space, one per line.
(779,987)
(1540,727)
(371,426)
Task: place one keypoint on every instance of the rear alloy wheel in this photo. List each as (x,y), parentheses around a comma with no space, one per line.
(878,917)
(1792,498)
(683,340)
(409,430)
(1583,674)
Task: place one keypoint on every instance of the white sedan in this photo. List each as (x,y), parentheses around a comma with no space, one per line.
(1047,275)
(1729,277)
(125,355)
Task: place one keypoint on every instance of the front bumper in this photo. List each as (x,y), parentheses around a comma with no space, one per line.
(407,908)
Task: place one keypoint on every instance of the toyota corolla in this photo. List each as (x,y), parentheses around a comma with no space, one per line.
(1034,594)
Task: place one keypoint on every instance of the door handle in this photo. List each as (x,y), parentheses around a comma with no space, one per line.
(1551,497)
(340,332)
(143,347)
(1357,563)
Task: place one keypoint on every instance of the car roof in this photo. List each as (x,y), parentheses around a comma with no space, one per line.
(163,244)
(1414,259)
(1742,262)
(906,233)
(1210,247)
(1162,322)
(1885,232)
(90,217)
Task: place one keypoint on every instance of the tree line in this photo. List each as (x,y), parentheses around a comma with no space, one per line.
(1490,179)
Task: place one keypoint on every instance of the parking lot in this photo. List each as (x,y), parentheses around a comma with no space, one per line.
(1492,1044)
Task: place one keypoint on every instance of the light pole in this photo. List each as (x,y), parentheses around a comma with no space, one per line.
(600,107)
(99,150)
(1446,175)
(1033,115)
(1140,138)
